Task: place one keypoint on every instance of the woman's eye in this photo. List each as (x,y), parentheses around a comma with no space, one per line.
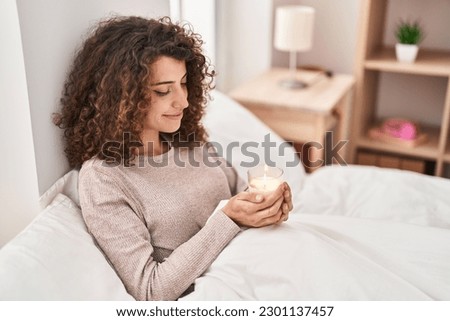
(162,93)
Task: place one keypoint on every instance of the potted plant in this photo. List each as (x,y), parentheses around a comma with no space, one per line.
(409,35)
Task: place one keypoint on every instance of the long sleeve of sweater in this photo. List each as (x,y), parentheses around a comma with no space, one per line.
(116,220)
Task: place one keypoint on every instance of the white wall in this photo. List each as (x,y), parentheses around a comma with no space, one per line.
(245,33)
(38,38)
(335,35)
(51,30)
(243,40)
(19,188)
(201,15)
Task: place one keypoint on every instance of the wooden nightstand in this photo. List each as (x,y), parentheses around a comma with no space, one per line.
(301,115)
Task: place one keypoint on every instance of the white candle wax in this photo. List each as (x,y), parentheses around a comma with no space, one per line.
(264,184)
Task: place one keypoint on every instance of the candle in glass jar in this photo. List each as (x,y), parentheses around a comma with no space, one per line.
(264,178)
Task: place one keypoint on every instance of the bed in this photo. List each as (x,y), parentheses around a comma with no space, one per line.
(356,233)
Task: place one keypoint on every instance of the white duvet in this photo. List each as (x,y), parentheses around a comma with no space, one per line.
(358,234)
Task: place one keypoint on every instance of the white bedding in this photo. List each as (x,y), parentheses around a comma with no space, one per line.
(371,192)
(360,233)
(357,233)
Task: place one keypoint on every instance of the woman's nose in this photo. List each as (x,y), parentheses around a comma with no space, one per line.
(181,98)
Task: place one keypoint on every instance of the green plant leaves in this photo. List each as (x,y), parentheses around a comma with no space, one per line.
(410,33)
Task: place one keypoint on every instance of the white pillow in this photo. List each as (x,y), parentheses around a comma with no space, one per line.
(67,185)
(55,258)
(228,122)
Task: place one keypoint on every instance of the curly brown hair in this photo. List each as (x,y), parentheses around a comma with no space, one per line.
(106,97)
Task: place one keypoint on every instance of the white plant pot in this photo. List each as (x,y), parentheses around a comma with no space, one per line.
(406,53)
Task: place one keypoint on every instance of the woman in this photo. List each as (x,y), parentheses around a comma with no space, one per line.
(131,111)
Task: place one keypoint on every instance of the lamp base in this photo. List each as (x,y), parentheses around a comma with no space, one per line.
(293,84)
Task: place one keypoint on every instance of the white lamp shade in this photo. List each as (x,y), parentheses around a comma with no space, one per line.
(294,28)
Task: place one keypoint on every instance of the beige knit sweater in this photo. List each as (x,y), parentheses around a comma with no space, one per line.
(151,220)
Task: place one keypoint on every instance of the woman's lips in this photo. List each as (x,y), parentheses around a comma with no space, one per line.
(174,116)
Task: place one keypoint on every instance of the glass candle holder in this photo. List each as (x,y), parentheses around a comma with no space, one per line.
(264,178)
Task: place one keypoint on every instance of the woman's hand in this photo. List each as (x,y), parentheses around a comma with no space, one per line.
(286,206)
(254,209)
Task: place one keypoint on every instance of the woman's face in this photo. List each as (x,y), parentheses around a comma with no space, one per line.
(168,92)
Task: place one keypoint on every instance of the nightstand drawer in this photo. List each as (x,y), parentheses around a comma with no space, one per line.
(292,125)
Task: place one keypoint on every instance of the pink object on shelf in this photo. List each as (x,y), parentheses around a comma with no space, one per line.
(400,128)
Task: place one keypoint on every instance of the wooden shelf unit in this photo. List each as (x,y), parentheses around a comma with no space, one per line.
(447,154)
(373,58)
(429,62)
(428,150)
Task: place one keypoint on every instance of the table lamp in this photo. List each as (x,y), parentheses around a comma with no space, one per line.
(293,33)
